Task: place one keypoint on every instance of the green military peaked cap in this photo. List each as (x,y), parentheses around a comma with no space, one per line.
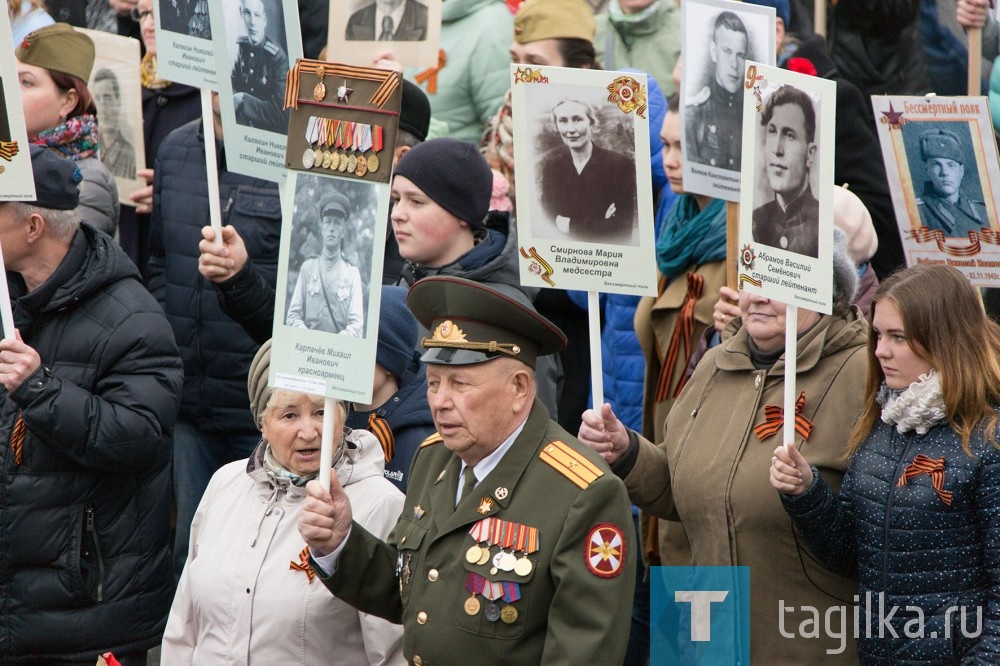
(472,323)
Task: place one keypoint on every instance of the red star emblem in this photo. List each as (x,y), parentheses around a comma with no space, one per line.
(892,116)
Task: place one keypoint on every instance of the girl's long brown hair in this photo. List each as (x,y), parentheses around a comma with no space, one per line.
(945,325)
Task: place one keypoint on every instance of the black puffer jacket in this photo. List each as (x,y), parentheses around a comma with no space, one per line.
(84,546)
(909,544)
(215,349)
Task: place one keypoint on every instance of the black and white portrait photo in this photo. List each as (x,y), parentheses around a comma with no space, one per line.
(259,63)
(945,177)
(585,166)
(117,149)
(787,215)
(330,257)
(722,37)
(387,20)
(187,17)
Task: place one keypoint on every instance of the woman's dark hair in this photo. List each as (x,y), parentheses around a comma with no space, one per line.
(84,100)
(578,54)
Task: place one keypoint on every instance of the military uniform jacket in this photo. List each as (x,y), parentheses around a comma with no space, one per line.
(795,229)
(954,219)
(327,297)
(573,606)
(259,73)
(714,127)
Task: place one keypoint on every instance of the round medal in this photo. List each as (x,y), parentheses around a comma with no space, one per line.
(471,606)
(362,168)
(373,162)
(523,567)
(497,558)
(326,159)
(307,159)
(472,555)
(319,92)
(352,163)
(492,612)
(507,562)
(343,163)
(317,158)
(484,557)
(508,614)
(334,161)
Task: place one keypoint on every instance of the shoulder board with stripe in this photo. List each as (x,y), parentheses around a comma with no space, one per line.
(570,463)
(433,439)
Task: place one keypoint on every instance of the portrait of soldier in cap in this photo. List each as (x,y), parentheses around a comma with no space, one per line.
(714,115)
(259,68)
(947,202)
(388,20)
(328,294)
(789,221)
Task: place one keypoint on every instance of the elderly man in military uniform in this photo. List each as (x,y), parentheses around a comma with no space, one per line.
(259,73)
(515,542)
(328,291)
(942,205)
(714,117)
(791,220)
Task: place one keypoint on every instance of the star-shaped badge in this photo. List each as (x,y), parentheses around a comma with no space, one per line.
(342,93)
(892,116)
(485,506)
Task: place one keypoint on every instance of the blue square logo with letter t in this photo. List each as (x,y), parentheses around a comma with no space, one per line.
(699,615)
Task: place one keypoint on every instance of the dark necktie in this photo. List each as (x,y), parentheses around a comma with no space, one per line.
(386,29)
(468,483)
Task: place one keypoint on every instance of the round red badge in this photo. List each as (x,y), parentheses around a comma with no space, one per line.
(605,550)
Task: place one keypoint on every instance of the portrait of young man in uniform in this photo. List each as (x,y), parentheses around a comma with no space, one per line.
(328,294)
(259,69)
(117,151)
(948,200)
(714,115)
(388,20)
(588,191)
(791,220)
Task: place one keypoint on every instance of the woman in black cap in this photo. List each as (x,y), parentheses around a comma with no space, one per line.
(53,66)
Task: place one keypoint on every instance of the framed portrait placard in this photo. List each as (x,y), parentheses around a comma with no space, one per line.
(786,194)
(16,180)
(117,89)
(581,142)
(184,51)
(410,29)
(255,44)
(718,38)
(941,161)
(333,238)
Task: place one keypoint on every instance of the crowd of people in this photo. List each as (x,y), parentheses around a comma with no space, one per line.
(159,495)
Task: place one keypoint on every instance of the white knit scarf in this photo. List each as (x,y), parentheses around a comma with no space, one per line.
(917,407)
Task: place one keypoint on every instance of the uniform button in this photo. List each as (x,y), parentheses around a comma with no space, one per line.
(417,661)
(432,575)
(421,617)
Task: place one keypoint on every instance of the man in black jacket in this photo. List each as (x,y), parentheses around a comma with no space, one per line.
(91,380)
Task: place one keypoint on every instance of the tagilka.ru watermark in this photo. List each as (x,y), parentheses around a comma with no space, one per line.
(873,618)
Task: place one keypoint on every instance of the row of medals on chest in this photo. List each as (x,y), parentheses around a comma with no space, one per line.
(350,137)
(506,535)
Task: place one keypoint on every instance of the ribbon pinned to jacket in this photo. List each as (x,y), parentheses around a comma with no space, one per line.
(379,427)
(303,565)
(774,419)
(932,467)
(682,335)
(430,75)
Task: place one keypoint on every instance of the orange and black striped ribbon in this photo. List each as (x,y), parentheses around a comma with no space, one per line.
(8,149)
(683,332)
(976,238)
(430,75)
(775,417)
(303,565)
(388,80)
(932,467)
(379,427)
(17,438)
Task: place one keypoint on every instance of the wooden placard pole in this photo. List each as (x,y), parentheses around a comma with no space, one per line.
(819,16)
(791,349)
(732,244)
(596,369)
(211,163)
(6,312)
(326,443)
(975,62)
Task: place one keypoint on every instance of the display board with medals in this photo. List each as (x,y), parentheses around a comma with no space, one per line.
(342,121)
(335,212)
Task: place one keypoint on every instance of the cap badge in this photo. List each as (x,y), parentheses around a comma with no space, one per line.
(448,332)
